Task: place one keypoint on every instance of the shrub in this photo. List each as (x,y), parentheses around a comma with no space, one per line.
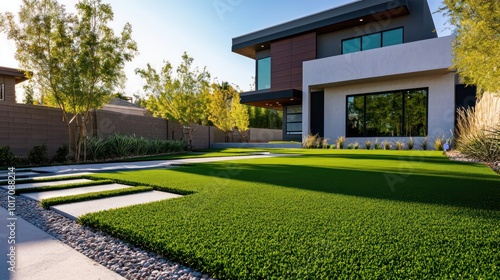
(311,141)
(38,155)
(324,143)
(424,143)
(411,143)
(7,158)
(376,146)
(477,133)
(350,146)
(356,145)
(368,144)
(61,155)
(340,142)
(438,143)
(386,145)
(400,145)
(96,148)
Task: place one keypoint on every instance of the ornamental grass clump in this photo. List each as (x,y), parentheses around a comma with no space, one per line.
(477,134)
(411,143)
(340,142)
(439,143)
(311,141)
(368,144)
(400,145)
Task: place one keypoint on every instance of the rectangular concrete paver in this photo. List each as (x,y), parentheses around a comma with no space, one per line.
(43,184)
(40,256)
(38,196)
(74,210)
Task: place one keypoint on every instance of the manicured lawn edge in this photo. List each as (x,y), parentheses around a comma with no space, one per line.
(64,187)
(46,203)
(50,179)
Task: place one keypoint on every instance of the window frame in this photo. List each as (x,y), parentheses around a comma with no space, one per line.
(373,33)
(286,122)
(257,72)
(403,112)
(2,92)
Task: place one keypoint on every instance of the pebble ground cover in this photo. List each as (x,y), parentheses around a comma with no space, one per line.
(322,215)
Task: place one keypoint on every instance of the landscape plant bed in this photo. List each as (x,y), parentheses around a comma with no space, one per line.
(46,203)
(327,214)
(63,187)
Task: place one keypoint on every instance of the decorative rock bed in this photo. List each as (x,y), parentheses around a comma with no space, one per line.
(123,258)
(457,156)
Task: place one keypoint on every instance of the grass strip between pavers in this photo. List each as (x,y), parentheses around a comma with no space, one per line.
(63,187)
(46,203)
(51,179)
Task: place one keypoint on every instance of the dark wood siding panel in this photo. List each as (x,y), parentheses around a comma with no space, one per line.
(287,57)
(303,49)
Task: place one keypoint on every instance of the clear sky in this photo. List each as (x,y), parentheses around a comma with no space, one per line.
(164,29)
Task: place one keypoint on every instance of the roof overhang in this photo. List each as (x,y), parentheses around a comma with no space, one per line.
(19,75)
(350,15)
(272,99)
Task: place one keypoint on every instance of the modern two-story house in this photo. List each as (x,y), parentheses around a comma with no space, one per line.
(369,69)
(9,78)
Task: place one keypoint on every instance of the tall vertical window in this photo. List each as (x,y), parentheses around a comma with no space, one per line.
(294,119)
(373,41)
(264,73)
(388,114)
(2,92)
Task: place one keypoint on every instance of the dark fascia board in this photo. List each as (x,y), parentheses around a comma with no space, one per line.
(258,96)
(323,19)
(13,72)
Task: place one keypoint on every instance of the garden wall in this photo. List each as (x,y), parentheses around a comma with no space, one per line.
(23,126)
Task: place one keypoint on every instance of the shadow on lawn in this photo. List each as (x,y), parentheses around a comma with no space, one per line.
(404,184)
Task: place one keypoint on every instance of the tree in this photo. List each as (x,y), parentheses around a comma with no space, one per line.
(219,107)
(476,48)
(225,110)
(182,98)
(76,60)
(239,113)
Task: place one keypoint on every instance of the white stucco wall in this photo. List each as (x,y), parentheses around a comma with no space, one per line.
(440,112)
(413,65)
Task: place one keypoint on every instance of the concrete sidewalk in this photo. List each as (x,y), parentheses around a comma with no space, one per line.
(40,256)
(103,167)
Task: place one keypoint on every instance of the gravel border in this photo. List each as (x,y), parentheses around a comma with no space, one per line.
(123,258)
(457,156)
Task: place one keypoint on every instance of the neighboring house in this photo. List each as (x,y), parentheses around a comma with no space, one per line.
(9,78)
(366,70)
(125,107)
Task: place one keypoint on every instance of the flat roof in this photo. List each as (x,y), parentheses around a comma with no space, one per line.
(13,72)
(330,20)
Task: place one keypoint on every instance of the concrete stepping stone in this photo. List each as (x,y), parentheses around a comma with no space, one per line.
(38,196)
(43,184)
(77,209)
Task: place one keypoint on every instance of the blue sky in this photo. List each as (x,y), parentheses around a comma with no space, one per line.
(164,29)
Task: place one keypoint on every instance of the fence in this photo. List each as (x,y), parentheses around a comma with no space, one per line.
(23,126)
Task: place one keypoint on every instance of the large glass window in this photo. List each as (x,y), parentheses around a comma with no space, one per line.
(388,114)
(2,92)
(294,119)
(351,45)
(392,37)
(373,41)
(264,73)
(355,115)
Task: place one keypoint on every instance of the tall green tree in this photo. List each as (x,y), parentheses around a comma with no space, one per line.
(477,46)
(239,113)
(182,98)
(219,107)
(225,110)
(74,59)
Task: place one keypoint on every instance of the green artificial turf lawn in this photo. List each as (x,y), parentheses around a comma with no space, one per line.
(327,214)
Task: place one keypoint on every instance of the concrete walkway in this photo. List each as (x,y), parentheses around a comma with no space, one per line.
(103,167)
(38,196)
(43,184)
(77,209)
(40,256)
